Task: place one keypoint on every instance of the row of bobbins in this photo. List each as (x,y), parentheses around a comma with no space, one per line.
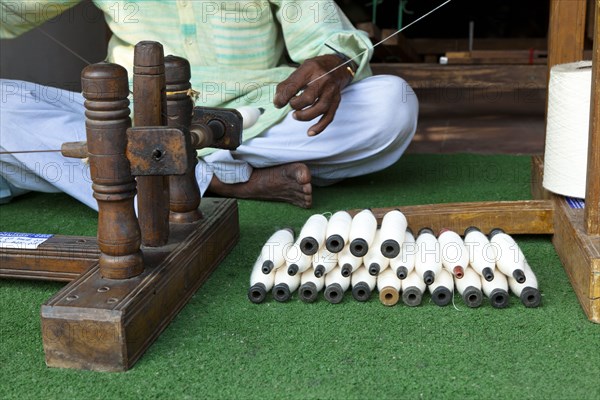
(344,251)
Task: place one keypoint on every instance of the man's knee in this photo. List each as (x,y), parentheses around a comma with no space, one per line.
(395,109)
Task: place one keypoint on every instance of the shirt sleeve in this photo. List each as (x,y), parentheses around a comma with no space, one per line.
(18,17)
(308,25)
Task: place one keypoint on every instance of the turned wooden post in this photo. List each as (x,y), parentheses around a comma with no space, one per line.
(183,189)
(105,88)
(592,194)
(566,32)
(149,106)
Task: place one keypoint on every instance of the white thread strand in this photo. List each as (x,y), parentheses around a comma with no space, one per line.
(567,132)
(378,43)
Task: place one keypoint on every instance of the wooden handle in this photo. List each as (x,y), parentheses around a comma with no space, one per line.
(74,149)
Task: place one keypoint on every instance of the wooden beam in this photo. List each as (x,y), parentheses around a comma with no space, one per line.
(580,255)
(566,31)
(538,191)
(591,21)
(578,251)
(425,46)
(506,57)
(60,258)
(397,45)
(515,217)
(592,194)
(435,76)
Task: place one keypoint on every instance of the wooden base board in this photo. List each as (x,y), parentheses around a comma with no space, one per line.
(579,252)
(100,324)
(60,258)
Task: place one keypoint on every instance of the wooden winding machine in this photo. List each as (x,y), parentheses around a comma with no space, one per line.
(129,283)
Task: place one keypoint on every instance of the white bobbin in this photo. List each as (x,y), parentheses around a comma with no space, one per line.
(335,286)
(393,228)
(404,263)
(469,287)
(260,283)
(362,283)
(362,232)
(338,231)
(274,250)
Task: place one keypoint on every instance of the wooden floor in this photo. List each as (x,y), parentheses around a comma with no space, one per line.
(500,123)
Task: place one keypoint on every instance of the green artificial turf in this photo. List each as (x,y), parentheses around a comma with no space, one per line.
(222,346)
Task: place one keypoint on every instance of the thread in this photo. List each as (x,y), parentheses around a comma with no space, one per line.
(310,286)
(469,287)
(362,283)
(374,260)
(509,257)
(323,262)
(285,285)
(428,261)
(404,263)
(335,286)
(362,232)
(338,229)
(496,290)
(260,283)
(274,249)
(388,286)
(528,292)
(312,235)
(455,257)
(482,256)
(442,289)
(348,262)
(567,129)
(296,262)
(393,227)
(249,114)
(413,288)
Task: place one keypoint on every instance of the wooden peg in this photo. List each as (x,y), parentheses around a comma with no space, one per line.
(183,189)
(149,107)
(74,149)
(105,88)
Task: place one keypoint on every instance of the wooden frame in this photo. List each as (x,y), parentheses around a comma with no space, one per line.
(127,284)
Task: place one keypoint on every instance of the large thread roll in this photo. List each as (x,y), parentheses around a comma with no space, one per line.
(567,129)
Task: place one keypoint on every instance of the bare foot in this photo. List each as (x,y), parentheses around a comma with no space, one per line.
(289,183)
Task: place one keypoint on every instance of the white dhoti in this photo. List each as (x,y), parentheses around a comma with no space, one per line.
(373,125)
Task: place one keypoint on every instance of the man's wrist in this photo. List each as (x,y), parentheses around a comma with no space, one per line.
(349,63)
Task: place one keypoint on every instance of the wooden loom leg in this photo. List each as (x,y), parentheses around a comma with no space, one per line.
(576,231)
(592,194)
(566,32)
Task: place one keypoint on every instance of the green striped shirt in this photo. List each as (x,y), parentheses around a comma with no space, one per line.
(236,47)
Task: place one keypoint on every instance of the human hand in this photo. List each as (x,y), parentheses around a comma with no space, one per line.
(320,90)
